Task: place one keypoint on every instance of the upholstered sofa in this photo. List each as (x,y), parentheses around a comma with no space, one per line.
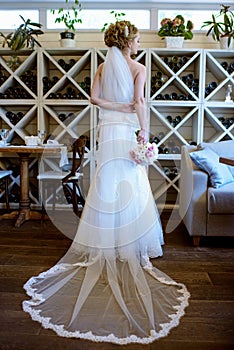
(206,202)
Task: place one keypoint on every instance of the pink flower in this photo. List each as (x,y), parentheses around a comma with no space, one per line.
(165,21)
(151,148)
(144,153)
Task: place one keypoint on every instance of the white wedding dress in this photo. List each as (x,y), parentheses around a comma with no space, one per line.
(105,287)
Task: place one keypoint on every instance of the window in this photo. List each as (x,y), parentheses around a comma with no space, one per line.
(95,19)
(15,19)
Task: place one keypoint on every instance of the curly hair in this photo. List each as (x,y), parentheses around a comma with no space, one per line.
(118,34)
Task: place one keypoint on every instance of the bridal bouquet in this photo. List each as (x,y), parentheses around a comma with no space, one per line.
(144,153)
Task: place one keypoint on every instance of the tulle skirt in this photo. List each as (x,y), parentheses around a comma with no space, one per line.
(105,287)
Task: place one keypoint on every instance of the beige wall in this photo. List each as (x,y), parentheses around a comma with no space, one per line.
(149,39)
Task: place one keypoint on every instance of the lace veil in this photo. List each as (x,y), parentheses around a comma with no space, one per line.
(105,288)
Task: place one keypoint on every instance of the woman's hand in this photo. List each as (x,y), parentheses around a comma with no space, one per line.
(126,107)
(142,136)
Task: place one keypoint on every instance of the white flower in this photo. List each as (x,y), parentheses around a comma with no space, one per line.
(126,31)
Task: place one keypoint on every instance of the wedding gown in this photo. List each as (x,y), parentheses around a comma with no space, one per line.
(105,287)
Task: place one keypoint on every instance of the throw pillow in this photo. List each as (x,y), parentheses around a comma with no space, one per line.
(208,160)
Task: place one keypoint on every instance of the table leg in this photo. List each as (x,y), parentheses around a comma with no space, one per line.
(24,205)
(24,213)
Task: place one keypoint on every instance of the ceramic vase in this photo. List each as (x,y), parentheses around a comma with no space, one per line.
(67,39)
(224,43)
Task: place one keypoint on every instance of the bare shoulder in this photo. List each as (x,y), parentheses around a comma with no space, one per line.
(138,69)
(100,68)
(139,66)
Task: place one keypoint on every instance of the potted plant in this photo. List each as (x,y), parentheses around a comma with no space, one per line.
(221,25)
(69,15)
(23,36)
(173,29)
(118,16)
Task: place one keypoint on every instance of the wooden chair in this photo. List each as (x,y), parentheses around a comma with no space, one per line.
(4,178)
(69,178)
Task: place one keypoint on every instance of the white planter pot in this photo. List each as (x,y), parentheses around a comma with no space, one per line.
(174,42)
(224,43)
(67,43)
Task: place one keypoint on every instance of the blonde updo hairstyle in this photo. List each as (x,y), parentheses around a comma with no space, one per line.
(118,34)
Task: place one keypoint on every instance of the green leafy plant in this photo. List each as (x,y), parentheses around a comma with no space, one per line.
(118,16)
(69,15)
(221,25)
(176,27)
(6,39)
(23,35)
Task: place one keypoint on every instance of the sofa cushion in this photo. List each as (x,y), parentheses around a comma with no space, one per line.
(208,160)
(221,200)
(222,148)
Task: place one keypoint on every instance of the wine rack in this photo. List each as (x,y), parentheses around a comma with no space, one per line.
(50,89)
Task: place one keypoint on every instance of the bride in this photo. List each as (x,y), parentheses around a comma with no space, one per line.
(105,288)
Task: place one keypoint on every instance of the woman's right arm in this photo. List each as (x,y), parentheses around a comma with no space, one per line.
(140,105)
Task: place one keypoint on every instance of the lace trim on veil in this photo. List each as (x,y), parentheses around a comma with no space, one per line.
(111,338)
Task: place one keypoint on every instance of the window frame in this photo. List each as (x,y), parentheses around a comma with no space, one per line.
(151,5)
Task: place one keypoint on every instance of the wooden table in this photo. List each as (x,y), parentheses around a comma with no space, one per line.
(24,152)
(228,161)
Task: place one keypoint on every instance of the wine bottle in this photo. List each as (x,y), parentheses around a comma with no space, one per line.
(213,85)
(182,97)
(166,97)
(159,97)
(51,95)
(164,78)
(167,150)
(160,149)
(171,144)
(174,59)
(61,62)
(155,139)
(178,119)
(224,64)
(175,171)
(184,59)
(174,96)
(72,62)
(207,91)
(158,74)
(169,118)
(158,84)
(161,135)
(221,119)
(166,171)
(62,116)
(195,89)
(176,150)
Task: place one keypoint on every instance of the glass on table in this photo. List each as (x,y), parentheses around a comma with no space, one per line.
(41,134)
(4,135)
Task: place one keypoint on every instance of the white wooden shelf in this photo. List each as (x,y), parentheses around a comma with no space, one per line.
(203,117)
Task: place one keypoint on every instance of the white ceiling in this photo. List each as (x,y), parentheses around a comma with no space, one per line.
(153,2)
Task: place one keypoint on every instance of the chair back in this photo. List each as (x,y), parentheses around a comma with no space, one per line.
(78,148)
(5,173)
